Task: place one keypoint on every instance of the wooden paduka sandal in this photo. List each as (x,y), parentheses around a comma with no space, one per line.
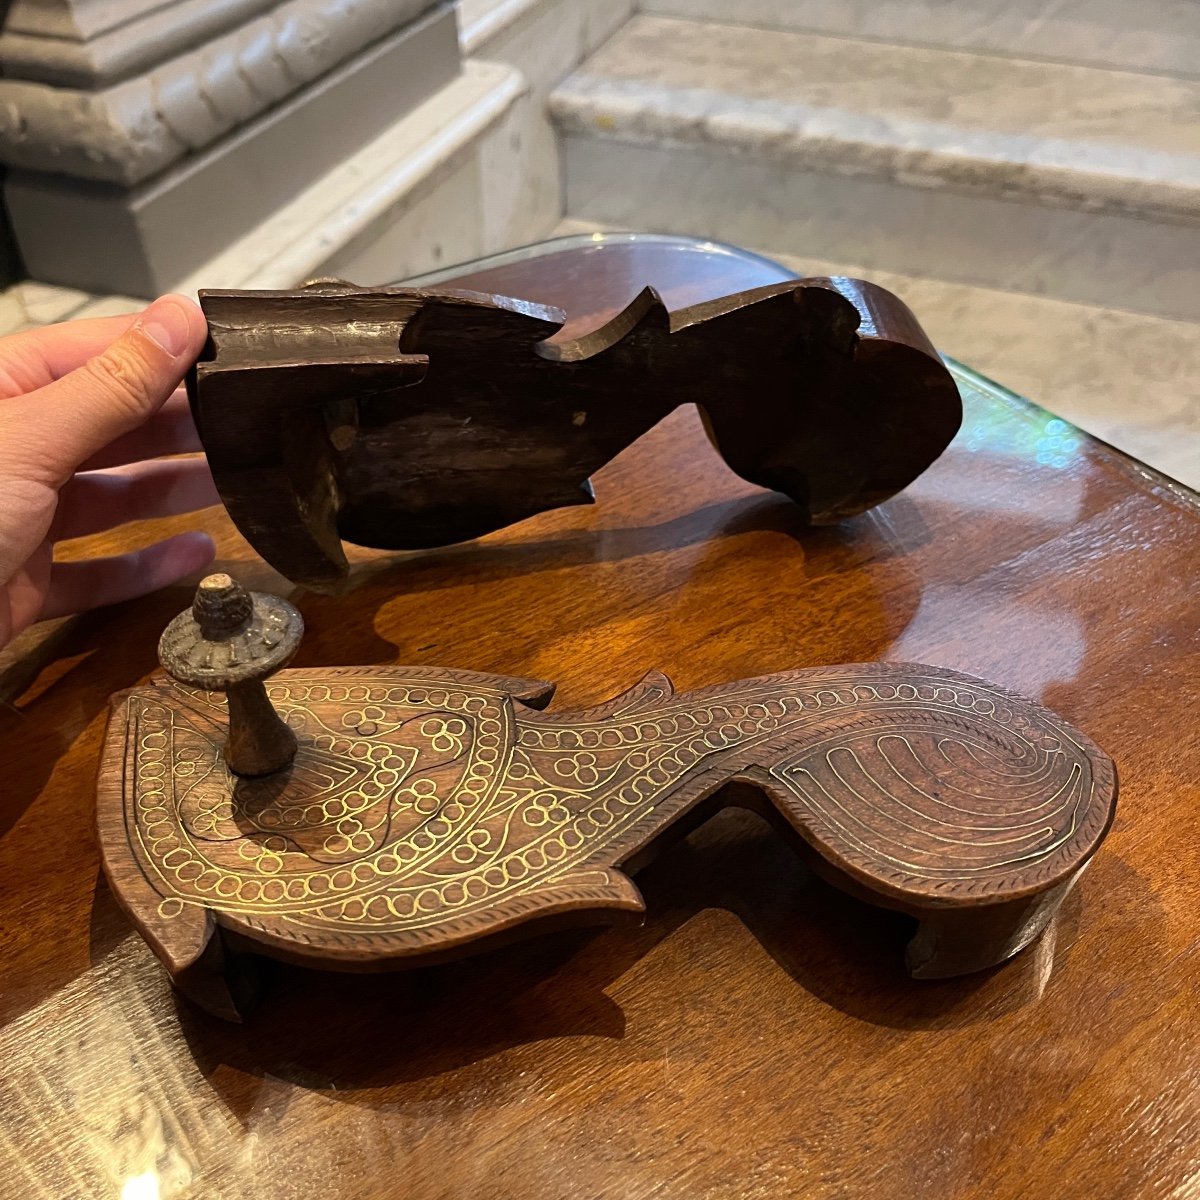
(370,818)
(401,418)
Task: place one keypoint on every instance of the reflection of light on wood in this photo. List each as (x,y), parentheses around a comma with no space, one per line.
(1035,647)
(141,1187)
(1044,956)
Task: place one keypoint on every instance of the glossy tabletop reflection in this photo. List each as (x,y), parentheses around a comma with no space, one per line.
(756,1035)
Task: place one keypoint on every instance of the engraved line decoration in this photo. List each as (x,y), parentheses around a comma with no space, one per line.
(429,810)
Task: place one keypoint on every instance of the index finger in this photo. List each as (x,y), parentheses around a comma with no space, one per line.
(36,357)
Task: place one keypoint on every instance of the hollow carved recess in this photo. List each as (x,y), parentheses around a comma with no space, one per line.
(401,418)
(430,813)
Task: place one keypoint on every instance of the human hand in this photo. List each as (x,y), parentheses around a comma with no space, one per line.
(86,410)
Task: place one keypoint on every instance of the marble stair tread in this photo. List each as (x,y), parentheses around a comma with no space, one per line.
(1146,35)
(1084,138)
(1125,377)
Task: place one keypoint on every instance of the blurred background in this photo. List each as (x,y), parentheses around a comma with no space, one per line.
(1025,173)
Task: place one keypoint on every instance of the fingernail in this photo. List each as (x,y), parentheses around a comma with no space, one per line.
(168,325)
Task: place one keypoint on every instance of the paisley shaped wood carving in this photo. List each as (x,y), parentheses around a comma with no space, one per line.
(430,813)
(402,418)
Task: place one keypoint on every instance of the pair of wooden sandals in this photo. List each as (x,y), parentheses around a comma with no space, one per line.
(378,817)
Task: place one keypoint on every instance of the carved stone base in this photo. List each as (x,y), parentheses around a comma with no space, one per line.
(134,130)
(145,240)
(60,45)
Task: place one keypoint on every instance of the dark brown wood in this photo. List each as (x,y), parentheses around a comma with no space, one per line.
(403,418)
(756,1035)
(433,813)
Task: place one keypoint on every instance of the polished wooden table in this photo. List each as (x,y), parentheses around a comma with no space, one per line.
(756,1036)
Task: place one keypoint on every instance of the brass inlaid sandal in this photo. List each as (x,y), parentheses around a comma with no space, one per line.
(409,814)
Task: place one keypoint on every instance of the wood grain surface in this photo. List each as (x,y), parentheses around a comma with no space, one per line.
(756,1036)
(406,418)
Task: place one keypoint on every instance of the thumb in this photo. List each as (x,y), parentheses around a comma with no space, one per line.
(52,430)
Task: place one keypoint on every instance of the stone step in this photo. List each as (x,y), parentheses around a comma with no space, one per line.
(1076,182)
(543,39)
(1138,35)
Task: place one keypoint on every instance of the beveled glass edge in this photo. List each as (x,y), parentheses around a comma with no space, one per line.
(579,241)
(1150,476)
